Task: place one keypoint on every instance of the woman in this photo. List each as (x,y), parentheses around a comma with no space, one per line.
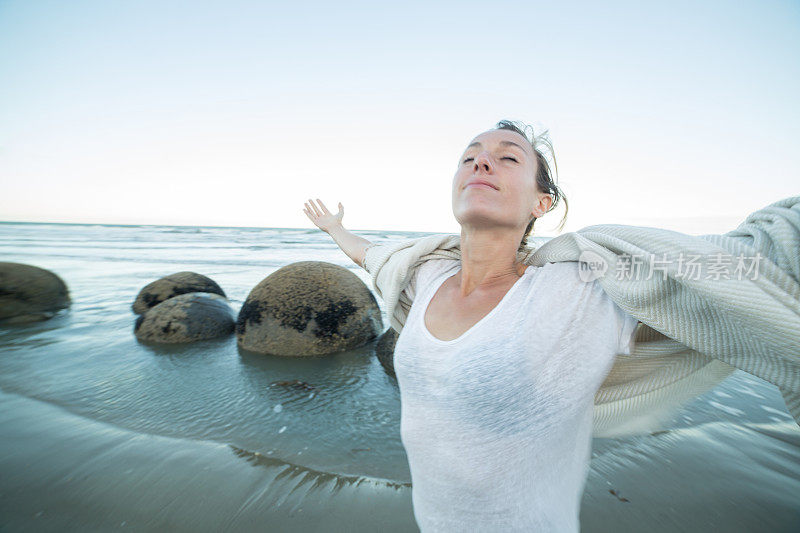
(499,361)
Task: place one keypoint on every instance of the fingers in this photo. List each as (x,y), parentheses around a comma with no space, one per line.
(324,209)
(313,212)
(311,208)
(309,213)
(316,210)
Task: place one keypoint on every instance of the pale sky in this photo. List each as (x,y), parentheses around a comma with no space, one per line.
(234,113)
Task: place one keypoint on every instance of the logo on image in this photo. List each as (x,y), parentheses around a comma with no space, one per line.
(591,266)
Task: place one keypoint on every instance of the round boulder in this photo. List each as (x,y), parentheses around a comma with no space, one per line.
(186,318)
(169,286)
(29,293)
(384,349)
(308,308)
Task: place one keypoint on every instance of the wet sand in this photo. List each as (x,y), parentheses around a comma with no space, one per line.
(65,472)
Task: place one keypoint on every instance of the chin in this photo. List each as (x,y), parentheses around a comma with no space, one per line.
(478,217)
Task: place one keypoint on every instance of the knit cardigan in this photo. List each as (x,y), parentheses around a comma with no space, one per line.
(694,330)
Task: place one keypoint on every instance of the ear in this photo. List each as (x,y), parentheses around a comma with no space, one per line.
(540,209)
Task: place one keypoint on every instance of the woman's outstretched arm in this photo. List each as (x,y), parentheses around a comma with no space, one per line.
(351,244)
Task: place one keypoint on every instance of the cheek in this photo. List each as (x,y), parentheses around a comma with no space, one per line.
(458,178)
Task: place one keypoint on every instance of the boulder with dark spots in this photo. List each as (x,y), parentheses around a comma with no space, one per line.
(186,318)
(384,349)
(308,308)
(169,286)
(29,293)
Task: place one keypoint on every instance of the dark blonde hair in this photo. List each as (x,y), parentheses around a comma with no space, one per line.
(546,175)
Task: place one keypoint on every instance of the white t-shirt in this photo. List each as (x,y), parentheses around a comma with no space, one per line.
(497,423)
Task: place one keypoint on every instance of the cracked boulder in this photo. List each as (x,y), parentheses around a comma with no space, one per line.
(169,286)
(186,318)
(29,293)
(308,308)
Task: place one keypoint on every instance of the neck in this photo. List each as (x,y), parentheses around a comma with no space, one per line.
(488,259)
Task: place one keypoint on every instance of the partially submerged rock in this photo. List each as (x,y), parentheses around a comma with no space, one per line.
(384,349)
(308,308)
(173,285)
(29,293)
(186,318)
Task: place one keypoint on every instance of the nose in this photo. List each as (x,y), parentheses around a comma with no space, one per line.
(482,162)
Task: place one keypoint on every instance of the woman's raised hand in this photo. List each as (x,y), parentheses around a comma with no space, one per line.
(354,246)
(321,217)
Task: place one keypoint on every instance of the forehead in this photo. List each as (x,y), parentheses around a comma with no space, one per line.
(493,138)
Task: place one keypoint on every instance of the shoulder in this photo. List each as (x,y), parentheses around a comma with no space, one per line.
(564,281)
(563,273)
(430,268)
(425,272)
(591,297)
(562,268)
(594,305)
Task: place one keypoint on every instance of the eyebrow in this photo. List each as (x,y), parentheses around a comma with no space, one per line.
(502,143)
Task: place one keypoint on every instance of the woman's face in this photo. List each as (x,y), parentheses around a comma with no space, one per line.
(506,161)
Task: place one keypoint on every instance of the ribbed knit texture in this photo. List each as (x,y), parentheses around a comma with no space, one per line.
(695,331)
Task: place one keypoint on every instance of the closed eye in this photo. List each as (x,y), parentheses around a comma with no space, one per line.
(507,157)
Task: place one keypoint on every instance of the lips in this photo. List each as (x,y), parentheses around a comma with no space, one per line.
(481,182)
